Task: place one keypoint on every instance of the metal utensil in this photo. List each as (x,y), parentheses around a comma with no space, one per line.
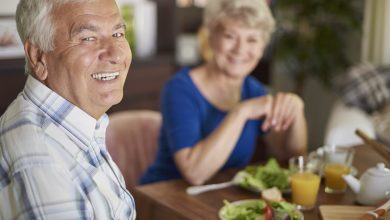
(237,179)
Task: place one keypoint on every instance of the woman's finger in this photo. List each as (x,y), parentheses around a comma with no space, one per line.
(295,108)
(267,104)
(277,110)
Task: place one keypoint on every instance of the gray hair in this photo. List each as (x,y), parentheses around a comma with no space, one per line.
(254,14)
(35,23)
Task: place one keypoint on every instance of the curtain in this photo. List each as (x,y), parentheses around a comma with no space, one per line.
(376,32)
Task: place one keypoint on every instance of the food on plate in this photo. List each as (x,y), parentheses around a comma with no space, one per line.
(285,211)
(258,209)
(271,195)
(267,176)
(246,209)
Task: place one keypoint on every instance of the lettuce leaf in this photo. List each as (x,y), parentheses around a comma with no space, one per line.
(251,210)
(267,176)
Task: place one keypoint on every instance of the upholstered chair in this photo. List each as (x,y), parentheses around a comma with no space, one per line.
(132,140)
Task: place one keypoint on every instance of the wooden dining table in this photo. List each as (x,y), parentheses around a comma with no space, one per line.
(169,200)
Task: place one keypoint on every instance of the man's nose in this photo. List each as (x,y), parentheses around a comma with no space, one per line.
(112,51)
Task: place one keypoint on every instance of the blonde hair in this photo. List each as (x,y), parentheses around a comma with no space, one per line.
(253,13)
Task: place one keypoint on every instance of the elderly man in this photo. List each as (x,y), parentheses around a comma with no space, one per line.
(53,159)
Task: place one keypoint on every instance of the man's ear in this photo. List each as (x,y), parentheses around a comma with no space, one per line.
(37,60)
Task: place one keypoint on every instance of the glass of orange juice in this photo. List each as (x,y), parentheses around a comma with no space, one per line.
(304,183)
(338,161)
(334,182)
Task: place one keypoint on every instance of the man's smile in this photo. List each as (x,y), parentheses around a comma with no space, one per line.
(105,76)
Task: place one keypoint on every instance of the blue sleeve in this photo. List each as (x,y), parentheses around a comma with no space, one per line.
(181,115)
(254,88)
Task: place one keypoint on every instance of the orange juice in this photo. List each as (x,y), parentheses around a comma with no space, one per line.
(304,186)
(333,173)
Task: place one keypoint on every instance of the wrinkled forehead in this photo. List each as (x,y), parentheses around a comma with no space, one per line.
(75,10)
(89,6)
(58,3)
(77,16)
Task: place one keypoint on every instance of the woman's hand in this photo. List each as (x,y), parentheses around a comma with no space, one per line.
(258,107)
(279,111)
(287,125)
(286,107)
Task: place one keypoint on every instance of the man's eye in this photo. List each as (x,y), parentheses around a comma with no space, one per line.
(118,35)
(89,39)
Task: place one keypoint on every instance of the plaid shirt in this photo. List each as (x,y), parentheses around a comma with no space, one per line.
(54,163)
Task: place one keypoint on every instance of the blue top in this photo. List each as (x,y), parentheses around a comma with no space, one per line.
(188,117)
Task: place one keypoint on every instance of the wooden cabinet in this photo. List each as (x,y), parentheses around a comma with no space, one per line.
(141,91)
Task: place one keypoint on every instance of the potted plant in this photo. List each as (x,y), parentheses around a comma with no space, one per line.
(312,36)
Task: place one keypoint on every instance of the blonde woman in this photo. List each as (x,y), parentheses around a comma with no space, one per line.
(213,114)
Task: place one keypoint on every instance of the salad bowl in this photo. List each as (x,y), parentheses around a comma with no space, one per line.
(257,209)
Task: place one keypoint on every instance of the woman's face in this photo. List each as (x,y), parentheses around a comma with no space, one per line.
(236,48)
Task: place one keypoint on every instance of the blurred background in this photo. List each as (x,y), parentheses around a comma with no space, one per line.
(315,44)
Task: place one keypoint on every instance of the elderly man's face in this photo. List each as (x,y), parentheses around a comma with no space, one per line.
(91,58)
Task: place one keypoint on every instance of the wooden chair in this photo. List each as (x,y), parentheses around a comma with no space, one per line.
(132,140)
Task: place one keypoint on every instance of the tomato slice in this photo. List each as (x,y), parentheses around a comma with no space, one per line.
(267,213)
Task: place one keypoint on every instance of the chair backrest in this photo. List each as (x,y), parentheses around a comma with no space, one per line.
(342,123)
(132,140)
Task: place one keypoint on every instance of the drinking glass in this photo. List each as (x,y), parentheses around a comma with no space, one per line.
(304,183)
(337,162)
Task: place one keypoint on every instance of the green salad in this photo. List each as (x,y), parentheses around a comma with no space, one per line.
(247,210)
(257,209)
(267,176)
(285,210)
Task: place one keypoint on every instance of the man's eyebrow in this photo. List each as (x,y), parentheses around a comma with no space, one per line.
(87,27)
(120,25)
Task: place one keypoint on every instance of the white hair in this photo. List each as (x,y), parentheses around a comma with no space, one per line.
(34,22)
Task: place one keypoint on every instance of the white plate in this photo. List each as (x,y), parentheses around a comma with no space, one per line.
(241,202)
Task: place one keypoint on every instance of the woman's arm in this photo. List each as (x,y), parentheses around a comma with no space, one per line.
(200,162)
